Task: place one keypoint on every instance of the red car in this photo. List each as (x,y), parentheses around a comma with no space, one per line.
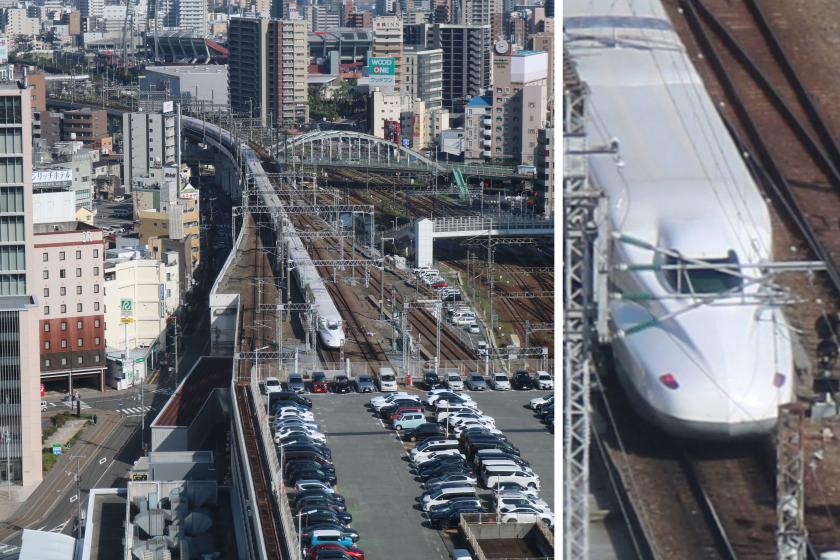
(351,551)
(440,284)
(399,412)
(319,383)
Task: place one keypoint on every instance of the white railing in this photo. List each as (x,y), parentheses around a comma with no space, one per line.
(470,223)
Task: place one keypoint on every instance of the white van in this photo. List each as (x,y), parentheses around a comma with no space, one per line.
(445,494)
(387,379)
(491,476)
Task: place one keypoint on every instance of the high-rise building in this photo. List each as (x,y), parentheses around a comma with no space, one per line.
(385,7)
(72,318)
(466,60)
(267,69)
(20,411)
(476,12)
(388,43)
(423,75)
(544,41)
(544,162)
(181,15)
(149,141)
(91,8)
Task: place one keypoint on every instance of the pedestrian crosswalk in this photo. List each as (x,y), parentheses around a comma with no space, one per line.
(66,403)
(135,410)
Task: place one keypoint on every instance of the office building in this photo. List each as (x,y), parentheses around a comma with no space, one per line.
(188,16)
(268,69)
(20,411)
(149,141)
(423,75)
(478,128)
(91,8)
(544,41)
(388,43)
(476,12)
(17,23)
(72,320)
(359,20)
(384,110)
(83,125)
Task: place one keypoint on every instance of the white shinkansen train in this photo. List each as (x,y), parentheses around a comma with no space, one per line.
(330,325)
(701,350)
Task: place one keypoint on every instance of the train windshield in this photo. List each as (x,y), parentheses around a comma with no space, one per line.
(711,279)
(332,325)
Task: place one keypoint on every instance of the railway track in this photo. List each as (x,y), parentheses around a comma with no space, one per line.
(795,155)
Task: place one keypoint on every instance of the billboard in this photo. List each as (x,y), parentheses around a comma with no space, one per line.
(4,50)
(382,72)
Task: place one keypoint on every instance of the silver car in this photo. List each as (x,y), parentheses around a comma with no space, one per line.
(295,383)
(475,382)
(364,384)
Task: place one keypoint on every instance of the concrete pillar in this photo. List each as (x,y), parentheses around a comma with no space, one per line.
(424,242)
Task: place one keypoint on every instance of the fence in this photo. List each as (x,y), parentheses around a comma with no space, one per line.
(477,527)
(276,474)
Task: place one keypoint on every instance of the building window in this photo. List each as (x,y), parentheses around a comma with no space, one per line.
(79,324)
(64,325)
(96,288)
(96,253)
(80,360)
(61,255)
(78,290)
(46,292)
(96,306)
(96,340)
(62,291)
(46,327)
(62,273)
(79,307)
(78,273)
(63,308)
(64,361)
(45,257)
(96,271)
(96,358)
(46,345)
(45,274)
(63,343)
(96,323)
(80,342)
(78,254)
(47,362)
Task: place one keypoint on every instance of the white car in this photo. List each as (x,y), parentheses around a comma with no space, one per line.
(379,406)
(543,380)
(273,385)
(302,485)
(537,402)
(422,458)
(454,382)
(516,487)
(294,413)
(446,406)
(527,515)
(432,445)
(510,502)
(475,414)
(289,423)
(442,394)
(500,382)
(473,328)
(380,399)
(283,433)
(491,476)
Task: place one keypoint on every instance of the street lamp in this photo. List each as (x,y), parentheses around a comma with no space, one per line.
(300,528)
(257,357)
(382,277)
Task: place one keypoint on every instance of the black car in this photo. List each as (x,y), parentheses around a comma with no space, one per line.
(300,445)
(453,459)
(308,455)
(333,500)
(522,381)
(289,396)
(314,474)
(386,411)
(322,506)
(441,468)
(423,432)
(341,384)
(451,517)
(349,531)
(432,381)
(323,515)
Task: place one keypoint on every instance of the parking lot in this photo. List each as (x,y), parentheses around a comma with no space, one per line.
(375,481)
(105,214)
(524,430)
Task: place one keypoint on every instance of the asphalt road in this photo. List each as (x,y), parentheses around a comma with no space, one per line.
(374,479)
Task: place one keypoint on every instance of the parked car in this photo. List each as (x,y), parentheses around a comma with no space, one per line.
(538,403)
(341,384)
(319,382)
(287,397)
(364,384)
(295,383)
(423,432)
(462,478)
(527,515)
(522,381)
(330,536)
(431,381)
(351,551)
(543,380)
(454,381)
(273,385)
(473,328)
(500,381)
(481,347)
(475,382)
(451,516)
(409,420)
(303,485)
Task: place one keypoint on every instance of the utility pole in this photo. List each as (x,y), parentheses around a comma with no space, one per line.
(791,534)
(78,480)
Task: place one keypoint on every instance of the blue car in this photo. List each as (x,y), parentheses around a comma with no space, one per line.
(330,536)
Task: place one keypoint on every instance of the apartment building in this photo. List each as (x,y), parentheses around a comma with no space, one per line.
(188,16)
(478,128)
(71,256)
(16,22)
(466,59)
(149,141)
(423,75)
(20,416)
(267,69)
(544,162)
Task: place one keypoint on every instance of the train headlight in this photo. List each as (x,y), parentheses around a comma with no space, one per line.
(779,379)
(669,381)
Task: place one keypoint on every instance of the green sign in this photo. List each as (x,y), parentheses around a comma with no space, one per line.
(382,66)
(139,360)
(56,449)
(126,304)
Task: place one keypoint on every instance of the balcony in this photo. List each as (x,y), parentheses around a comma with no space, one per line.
(486,142)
